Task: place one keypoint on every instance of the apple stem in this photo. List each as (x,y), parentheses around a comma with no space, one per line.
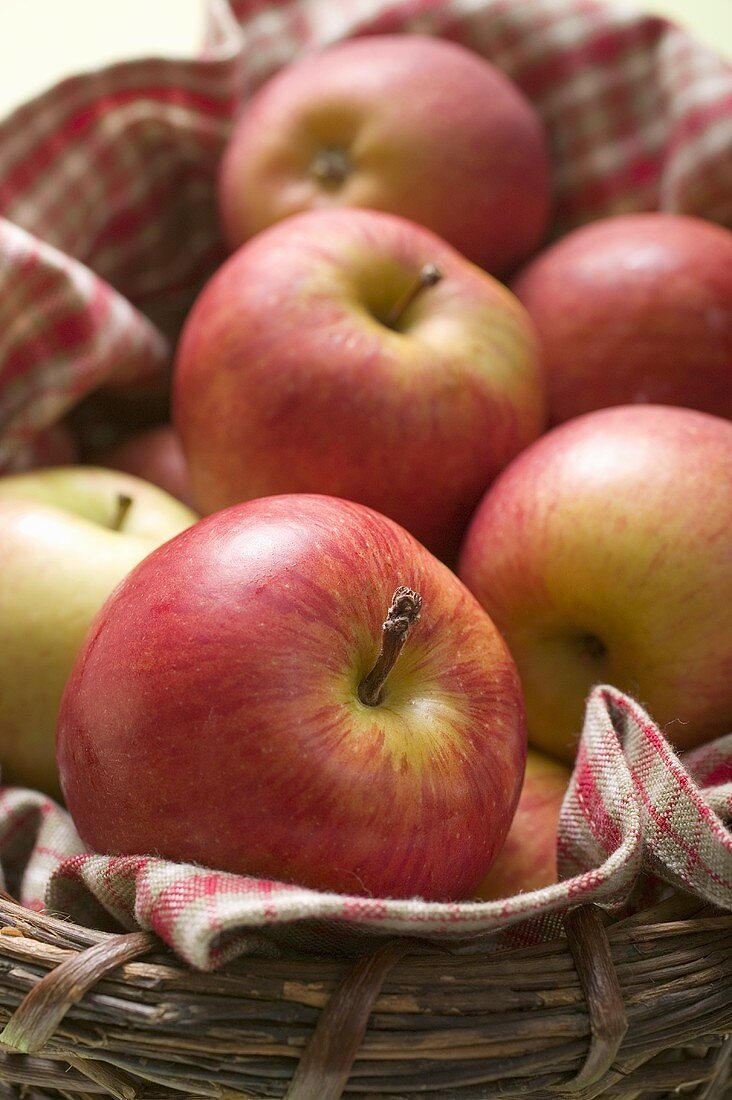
(428,276)
(124,503)
(403,613)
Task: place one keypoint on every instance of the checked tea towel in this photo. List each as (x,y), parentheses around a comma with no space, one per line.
(633,809)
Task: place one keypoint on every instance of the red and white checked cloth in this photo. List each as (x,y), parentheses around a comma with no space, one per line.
(108,230)
(633,813)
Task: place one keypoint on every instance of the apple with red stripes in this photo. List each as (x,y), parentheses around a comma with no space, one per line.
(634,308)
(354,353)
(296,689)
(603,554)
(409,124)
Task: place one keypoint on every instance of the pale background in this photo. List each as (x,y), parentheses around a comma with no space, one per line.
(44,40)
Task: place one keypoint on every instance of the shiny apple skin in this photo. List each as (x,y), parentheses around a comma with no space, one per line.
(635,308)
(287,381)
(213,715)
(431,131)
(528,859)
(603,554)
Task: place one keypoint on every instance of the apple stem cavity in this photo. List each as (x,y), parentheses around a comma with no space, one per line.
(124,503)
(593,648)
(428,276)
(331,167)
(403,613)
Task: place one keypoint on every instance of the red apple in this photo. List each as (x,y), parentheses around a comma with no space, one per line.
(603,554)
(312,363)
(408,124)
(154,455)
(635,308)
(528,859)
(225,709)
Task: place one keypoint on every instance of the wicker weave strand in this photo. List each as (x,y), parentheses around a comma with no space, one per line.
(43,1009)
(325,1066)
(716,1086)
(588,944)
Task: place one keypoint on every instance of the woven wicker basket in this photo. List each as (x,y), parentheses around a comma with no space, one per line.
(640,1007)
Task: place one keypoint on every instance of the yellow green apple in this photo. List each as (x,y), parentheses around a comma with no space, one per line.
(68,535)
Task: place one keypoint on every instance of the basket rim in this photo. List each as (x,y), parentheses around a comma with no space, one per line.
(349,1004)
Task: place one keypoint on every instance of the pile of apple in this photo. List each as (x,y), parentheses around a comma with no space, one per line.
(438,507)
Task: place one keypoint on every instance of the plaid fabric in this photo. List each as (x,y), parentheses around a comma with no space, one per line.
(633,809)
(108,230)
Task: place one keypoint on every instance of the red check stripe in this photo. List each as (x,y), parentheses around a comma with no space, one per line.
(625,852)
